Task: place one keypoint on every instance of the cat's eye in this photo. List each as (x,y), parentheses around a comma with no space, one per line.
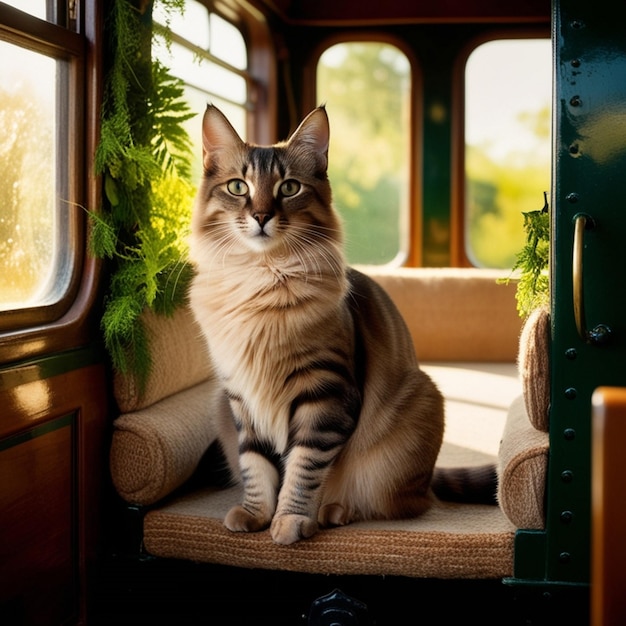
(237,187)
(290,188)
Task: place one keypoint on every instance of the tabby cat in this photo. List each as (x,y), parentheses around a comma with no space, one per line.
(334,421)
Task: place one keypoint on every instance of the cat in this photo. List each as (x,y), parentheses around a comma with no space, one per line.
(333,421)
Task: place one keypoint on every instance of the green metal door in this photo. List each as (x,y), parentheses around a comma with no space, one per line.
(588,264)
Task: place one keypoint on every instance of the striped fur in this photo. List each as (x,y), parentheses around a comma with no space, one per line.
(334,421)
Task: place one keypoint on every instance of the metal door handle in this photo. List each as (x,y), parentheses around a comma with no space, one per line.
(600,333)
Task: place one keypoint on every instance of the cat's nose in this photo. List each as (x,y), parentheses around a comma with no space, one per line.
(263,217)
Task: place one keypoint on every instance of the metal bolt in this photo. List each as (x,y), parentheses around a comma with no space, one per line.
(574,150)
(572,197)
(575,62)
(569,434)
(571,354)
(570,393)
(567,517)
(565,557)
(575,101)
(567,476)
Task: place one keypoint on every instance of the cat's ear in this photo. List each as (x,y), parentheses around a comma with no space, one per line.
(313,133)
(217,135)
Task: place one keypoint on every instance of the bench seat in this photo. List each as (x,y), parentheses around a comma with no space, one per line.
(158,444)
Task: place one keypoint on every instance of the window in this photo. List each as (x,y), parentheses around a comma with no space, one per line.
(57,12)
(507,145)
(39,212)
(366,87)
(37,8)
(209,54)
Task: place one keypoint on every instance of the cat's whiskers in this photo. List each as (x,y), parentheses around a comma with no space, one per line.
(309,241)
(220,240)
(176,273)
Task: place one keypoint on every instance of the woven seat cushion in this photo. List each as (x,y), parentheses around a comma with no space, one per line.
(449,541)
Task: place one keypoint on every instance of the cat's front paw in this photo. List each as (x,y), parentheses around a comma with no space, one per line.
(287,529)
(239,520)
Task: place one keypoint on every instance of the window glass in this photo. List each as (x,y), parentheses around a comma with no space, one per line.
(34,262)
(507,145)
(37,8)
(192,25)
(227,43)
(366,88)
(209,55)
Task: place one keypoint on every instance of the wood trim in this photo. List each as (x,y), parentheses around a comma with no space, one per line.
(356,12)
(39,35)
(608,513)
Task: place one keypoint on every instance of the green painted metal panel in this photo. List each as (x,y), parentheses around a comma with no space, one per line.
(589,177)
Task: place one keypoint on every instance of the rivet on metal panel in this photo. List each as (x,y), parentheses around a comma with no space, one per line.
(572,197)
(570,393)
(574,150)
(569,434)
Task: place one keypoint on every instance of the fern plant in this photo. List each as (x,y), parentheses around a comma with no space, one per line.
(532,262)
(144,158)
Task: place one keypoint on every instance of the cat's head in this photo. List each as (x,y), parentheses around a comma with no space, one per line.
(265,200)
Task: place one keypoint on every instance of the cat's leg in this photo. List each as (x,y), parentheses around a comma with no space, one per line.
(319,431)
(260,484)
(260,477)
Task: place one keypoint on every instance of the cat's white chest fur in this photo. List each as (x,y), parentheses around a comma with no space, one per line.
(252,319)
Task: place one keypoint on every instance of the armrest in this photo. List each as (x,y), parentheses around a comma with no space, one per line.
(523,463)
(156,449)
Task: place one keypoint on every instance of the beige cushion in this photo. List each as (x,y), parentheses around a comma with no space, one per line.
(448,541)
(179,361)
(522,469)
(155,450)
(534,367)
(455,314)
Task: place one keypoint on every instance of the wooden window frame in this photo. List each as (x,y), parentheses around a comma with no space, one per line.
(31,332)
(412,254)
(458,252)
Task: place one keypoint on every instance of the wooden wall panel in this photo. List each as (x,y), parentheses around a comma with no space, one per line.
(38,525)
(53,463)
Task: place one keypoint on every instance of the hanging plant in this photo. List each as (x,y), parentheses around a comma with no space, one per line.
(533,287)
(144,158)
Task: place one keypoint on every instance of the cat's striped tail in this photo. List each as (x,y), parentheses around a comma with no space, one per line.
(470,485)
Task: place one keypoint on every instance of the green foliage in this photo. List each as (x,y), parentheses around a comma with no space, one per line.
(144,157)
(532,262)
